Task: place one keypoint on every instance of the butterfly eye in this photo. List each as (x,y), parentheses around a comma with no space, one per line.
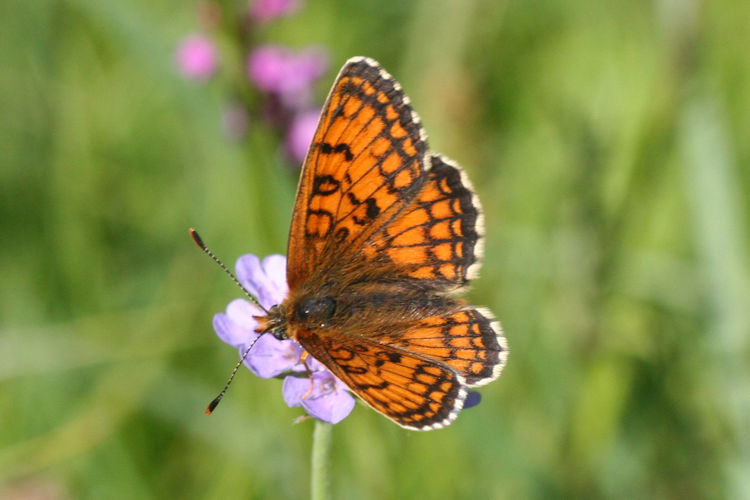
(316,310)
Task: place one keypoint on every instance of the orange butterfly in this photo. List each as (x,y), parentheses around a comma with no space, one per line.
(384,233)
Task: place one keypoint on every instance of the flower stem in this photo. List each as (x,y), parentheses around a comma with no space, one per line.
(321,461)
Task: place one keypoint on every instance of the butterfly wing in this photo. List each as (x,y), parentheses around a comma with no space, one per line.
(437,238)
(370,189)
(385,228)
(365,163)
(468,340)
(414,391)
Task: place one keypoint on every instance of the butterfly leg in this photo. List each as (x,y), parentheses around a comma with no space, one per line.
(303,358)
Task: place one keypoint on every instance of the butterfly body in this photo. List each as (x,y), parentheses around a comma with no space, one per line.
(384,234)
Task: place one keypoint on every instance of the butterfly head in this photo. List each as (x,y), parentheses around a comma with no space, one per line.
(275,322)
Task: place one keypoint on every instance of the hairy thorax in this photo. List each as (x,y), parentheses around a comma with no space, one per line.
(383,306)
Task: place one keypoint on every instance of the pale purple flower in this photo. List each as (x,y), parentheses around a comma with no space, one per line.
(197,57)
(269,357)
(263,11)
(300,133)
(473,398)
(328,400)
(286,73)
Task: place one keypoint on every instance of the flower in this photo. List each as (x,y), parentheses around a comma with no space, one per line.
(300,133)
(286,73)
(197,57)
(263,11)
(473,398)
(326,399)
(313,387)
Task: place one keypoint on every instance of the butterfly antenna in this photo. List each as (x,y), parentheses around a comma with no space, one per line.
(198,241)
(213,404)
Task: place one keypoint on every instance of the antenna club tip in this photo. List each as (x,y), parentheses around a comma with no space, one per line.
(213,404)
(196,238)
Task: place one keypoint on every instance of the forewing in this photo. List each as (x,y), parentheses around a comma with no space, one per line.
(437,237)
(365,164)
(414,391)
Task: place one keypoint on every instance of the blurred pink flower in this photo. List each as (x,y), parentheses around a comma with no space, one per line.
(197,57)
(300,133)
(263,11)
(288,74)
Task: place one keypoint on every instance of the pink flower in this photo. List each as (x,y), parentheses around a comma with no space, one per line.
(263,11)
(286,73)
(300,134)
(197,57)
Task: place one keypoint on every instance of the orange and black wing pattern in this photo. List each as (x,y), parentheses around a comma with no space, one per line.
(384,233)
(415,391)
(437,237)
(465,340)
(365,163)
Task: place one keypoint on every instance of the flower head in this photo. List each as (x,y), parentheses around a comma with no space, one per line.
(286,73)
(197,57)
(263,11)
(324,396)
(473,398)
(300,133)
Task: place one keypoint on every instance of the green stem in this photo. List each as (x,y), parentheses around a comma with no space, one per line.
(321,461)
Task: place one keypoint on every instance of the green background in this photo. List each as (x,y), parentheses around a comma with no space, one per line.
(608,142)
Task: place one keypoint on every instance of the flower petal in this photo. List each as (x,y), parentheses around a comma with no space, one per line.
(232,333)
(322,402)
(286,73)
(300,134)
(266,67)
(249,273)
(293,389)
(264,11)
(332,408)
(242,311)
(327,399)
(253,277)
(197,57)
(275,268)
(270,357)
(315,366)
(327,402)
(473,398)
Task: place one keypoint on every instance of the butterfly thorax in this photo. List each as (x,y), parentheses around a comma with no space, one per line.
(384,307)
(309,312)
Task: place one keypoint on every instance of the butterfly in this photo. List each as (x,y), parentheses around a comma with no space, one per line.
(384,234)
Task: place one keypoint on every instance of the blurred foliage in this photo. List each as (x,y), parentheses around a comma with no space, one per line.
(608,142)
